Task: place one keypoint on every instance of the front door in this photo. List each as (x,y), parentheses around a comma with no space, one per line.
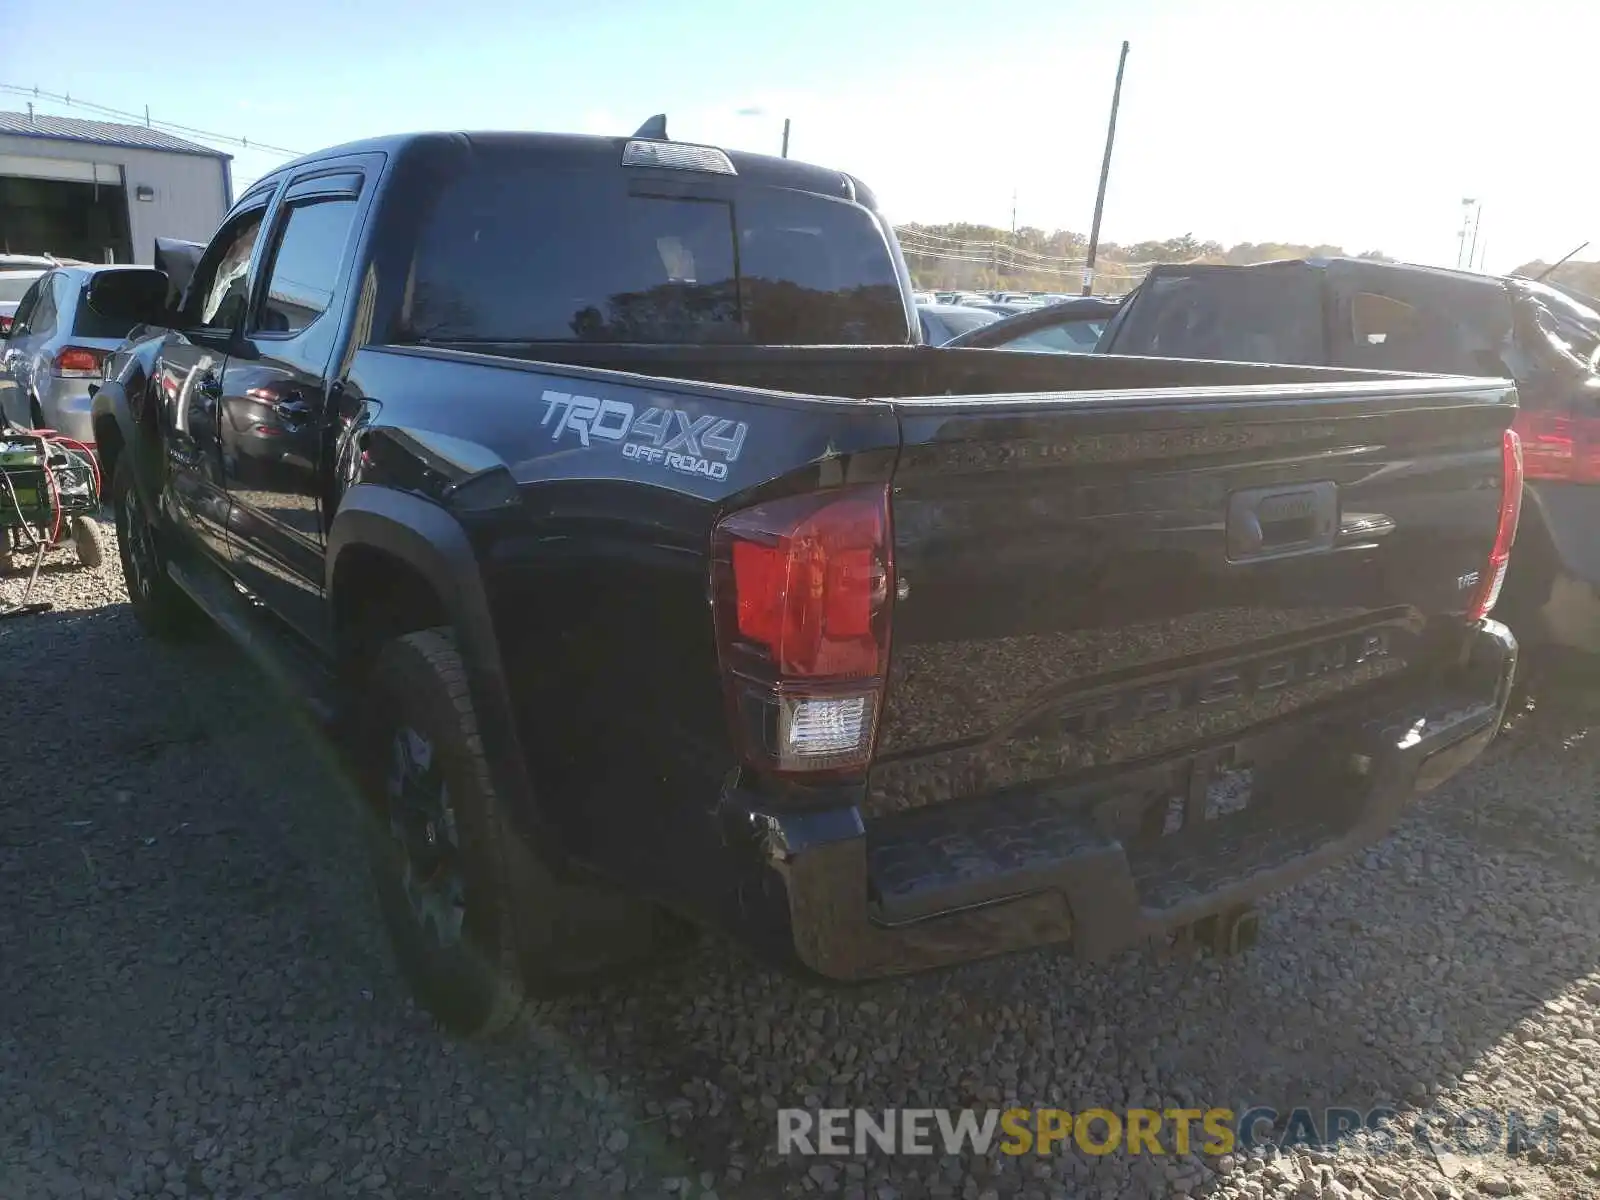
(188,376)
(274,427)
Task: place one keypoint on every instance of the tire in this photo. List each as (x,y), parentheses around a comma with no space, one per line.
(87,541)
(159,604)
(451,927)
(522,931)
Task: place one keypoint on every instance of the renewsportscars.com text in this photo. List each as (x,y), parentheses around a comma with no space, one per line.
(1098,1131)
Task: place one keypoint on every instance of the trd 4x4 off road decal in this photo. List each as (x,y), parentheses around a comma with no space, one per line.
(665,437)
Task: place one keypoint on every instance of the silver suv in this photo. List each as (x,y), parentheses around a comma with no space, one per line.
(55,349)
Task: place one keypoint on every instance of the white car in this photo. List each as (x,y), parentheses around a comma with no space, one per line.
(14,284)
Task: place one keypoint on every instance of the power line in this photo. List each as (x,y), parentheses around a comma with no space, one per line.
(144,119)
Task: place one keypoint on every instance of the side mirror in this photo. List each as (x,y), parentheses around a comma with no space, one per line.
(137,295)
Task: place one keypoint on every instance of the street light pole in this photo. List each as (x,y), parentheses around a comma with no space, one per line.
(1466,223)
(1105,173)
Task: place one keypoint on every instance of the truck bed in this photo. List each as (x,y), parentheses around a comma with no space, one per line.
(877,372)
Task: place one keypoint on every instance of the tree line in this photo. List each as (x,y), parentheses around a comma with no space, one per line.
(1582,277)
(957,255)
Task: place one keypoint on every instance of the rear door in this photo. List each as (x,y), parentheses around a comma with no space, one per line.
(275,398)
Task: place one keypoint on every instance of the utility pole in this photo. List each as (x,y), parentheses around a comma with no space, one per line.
(1105,173)
(1013,212)
(786,137)
(1466,223)
(1477,219)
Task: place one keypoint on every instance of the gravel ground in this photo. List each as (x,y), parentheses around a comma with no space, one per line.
(195,997)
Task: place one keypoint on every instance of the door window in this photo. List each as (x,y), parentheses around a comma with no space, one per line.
(305,264)
(66,289)
(28,305)
(42,321)
(220,289)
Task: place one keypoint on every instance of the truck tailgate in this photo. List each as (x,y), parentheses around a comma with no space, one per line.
(1086,583)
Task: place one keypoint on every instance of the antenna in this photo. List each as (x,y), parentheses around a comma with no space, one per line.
(1540,276)
(655,128)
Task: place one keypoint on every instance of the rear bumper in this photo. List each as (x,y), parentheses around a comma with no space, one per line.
(1035,868)
(66,406)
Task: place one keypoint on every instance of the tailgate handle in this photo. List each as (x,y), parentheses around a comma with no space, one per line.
(1275,522)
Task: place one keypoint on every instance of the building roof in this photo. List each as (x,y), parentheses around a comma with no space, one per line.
(101,133)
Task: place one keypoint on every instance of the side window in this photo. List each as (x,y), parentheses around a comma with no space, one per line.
(1380,320)
(28,305)
(1074,337)
(66,289)
(220,289)
(305,264)
(43,319)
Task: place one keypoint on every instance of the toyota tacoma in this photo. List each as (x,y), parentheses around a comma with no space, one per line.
(598,493)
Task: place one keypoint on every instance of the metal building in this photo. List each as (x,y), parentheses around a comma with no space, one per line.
(103,192)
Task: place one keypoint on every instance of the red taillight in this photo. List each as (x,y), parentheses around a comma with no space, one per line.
(1494,571)
(76,362)
(1559,445)
(802,600)
(5,324)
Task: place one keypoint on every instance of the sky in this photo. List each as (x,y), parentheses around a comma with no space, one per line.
(1360,123)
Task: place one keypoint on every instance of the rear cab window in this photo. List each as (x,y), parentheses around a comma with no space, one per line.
(518,252)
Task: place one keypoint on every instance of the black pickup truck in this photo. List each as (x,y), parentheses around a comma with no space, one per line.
(598,492)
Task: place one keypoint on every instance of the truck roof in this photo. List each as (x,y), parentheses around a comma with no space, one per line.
(590,149)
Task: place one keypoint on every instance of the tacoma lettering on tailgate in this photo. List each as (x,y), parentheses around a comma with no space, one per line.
(1221,686)
(664,437)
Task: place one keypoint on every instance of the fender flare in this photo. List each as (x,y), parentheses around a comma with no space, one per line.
(429,540)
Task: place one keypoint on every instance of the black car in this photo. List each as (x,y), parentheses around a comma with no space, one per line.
(1067,327)
(1396,316)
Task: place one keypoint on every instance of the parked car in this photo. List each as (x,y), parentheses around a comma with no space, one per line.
(33,262)
(56,342)
(941,322)
(14,285)
(1361,313)
(1070,327)
(979,642)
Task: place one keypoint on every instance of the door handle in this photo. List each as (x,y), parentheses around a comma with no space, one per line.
(210,389)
